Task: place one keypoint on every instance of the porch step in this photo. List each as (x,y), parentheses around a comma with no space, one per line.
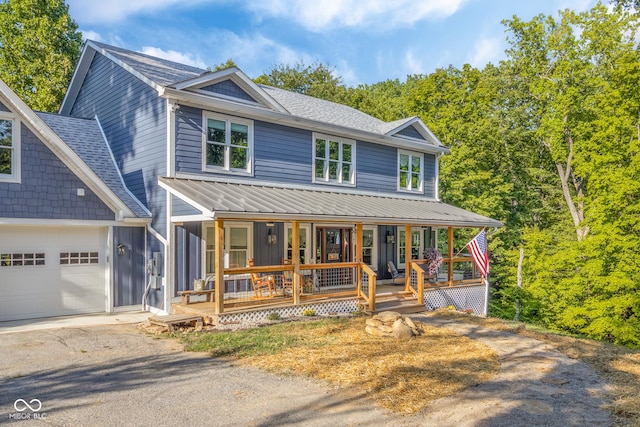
(170,321)
(404,303)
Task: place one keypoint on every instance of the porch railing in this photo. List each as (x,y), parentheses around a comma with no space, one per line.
(315,281)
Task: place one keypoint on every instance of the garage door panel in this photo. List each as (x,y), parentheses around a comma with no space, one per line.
(73,285)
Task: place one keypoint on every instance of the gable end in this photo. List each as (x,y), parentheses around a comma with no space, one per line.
(230,89)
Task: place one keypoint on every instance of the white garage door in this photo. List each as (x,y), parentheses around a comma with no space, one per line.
(51,271)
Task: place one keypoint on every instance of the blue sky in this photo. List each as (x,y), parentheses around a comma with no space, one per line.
(365,41)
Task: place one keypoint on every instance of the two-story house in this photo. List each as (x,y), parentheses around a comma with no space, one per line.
(320,197)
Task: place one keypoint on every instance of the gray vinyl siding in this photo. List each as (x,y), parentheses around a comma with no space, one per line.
(129,267)
(48,189)
(430,177)
(411,132)
(284,154)
(376,167)
(3,107)
(133,118)
(229,88)
(189,261)
(180,208)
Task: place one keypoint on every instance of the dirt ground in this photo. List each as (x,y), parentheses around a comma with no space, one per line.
(114,375)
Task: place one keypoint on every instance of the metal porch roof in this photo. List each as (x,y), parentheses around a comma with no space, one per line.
(227,200)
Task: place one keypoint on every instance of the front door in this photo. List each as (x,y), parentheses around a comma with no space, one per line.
(333,244)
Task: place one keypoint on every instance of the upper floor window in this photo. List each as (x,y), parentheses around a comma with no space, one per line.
(410,171)
(334,160)
(228,144)
(9,149)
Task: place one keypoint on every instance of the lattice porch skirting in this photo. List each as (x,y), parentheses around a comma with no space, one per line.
(470,297)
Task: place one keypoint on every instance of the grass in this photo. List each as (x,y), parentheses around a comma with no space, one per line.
(401,376)
(404,376)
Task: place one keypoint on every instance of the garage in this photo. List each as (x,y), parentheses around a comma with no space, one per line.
(52,271)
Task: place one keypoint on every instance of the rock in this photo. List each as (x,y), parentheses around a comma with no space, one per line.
(401,330)
(388,316)
(391,324)
(376,332)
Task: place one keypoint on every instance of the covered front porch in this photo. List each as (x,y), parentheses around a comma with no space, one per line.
(315,251)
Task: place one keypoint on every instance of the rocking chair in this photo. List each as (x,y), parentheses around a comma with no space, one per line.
(264,286)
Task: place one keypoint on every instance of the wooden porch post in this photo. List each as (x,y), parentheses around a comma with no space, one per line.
(358,256)
(295,259)
(219,266)
(407,257)
(450,255)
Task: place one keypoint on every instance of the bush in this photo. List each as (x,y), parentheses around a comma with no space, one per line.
(308,312)
(274,316)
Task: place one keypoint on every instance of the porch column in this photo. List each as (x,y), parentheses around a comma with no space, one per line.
(358,257)
(219,266)
(407,258)
(295,259)
(450,255)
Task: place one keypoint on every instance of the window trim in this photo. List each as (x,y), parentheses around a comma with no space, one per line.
(15,148)
(227,242)
(327,180)
(411,154)
(308,251)
(374,248)
(228,120)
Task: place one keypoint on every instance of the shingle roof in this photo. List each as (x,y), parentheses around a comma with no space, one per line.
(168,73)
(85,138)
(161,71)
(237,200)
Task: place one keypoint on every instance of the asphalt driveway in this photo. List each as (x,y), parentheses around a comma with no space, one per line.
(118,375)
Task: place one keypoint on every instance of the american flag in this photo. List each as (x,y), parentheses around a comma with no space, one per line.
(478,249)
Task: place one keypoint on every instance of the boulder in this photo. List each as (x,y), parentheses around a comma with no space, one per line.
(391,324)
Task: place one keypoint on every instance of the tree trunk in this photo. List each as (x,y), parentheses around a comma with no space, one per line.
(519,279)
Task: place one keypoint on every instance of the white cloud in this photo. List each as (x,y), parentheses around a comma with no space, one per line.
(172,55)
(254,54)
(486,50)
(321,15)
(91,35)
(412,64)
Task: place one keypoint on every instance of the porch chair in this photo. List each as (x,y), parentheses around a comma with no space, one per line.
(287,279)
(264,286)
(395,274)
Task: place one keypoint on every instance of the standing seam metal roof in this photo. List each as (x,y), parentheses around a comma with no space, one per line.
(226,199)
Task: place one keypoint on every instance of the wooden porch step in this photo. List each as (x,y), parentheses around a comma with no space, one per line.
(170,321)
(398,302)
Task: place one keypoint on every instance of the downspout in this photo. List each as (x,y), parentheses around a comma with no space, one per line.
(162,240)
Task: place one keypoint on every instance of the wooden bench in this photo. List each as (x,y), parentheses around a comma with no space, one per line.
(187,294)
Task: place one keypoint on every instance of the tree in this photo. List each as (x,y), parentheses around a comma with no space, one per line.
(39,47)
(317,80)
(582,73)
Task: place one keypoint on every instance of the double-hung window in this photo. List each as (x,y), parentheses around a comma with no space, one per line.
(237,246)
(228,144)
(410,171)
(334,160)
(9,149)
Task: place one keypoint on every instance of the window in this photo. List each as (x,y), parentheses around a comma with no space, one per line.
(416,246)
(20,260)
(303,250)
(410,171)
(237,246)
(228,144)
(334,160)
(78,258)
(9,149)
(369,255)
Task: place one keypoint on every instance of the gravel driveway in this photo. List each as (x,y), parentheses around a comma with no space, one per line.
(118,375)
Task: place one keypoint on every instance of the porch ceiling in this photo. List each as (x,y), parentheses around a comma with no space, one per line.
(231,200)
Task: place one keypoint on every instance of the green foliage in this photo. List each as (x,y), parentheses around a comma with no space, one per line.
(223,65)
(308,312)
(317,80)
(258,341)
(274,316)
(39,47)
